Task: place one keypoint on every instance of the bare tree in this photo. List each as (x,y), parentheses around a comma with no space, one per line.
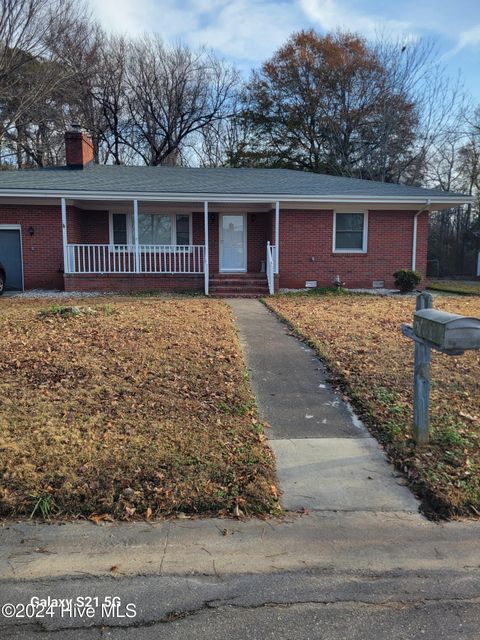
(413,70)
(31,72)
(220,143)
(455,165)
(108,90)
(173,93)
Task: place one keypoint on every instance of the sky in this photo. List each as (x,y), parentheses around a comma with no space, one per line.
(247,32)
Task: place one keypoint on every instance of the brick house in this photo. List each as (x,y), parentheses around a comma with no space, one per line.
(87,227)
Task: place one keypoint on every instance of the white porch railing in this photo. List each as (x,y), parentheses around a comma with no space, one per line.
(270,268)
(105,258)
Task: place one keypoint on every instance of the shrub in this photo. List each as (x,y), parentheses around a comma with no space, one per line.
(406,280)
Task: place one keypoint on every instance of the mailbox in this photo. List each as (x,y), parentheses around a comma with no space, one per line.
(447,330)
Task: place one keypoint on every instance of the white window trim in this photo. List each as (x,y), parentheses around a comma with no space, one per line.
(364,248)
(130,227)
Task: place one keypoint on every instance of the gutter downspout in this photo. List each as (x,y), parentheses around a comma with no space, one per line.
(277,234)
(414,241)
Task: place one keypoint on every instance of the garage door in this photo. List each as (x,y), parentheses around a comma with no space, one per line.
(11,258)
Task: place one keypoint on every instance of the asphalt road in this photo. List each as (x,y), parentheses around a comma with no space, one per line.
(301,605)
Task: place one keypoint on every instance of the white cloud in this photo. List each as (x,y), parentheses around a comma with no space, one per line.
(467,38)
(246,30)
(122,16)
(249,29)
(134,17)
(333,14)
(470,37)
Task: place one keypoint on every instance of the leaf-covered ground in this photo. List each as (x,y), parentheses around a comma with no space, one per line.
(130,408)
(455,286)
(359,337)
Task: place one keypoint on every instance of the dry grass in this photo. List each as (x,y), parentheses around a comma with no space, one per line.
(455,286)
(359,337)
(131,408)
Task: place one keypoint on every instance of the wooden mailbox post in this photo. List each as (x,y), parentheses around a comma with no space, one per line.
(448,333)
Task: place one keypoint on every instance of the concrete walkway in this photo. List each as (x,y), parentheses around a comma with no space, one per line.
(326,459)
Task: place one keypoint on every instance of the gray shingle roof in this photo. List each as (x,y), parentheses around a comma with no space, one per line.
(202,181)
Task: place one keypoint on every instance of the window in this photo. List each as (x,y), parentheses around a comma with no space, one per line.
(153,229)
(119,228)
(350,232)
(183,229)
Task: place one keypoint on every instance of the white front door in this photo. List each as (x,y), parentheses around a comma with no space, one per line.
(233,242)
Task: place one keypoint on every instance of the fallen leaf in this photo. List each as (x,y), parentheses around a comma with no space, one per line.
(100,517)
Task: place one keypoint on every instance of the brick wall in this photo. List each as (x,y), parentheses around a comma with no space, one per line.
(87,227)
(133,282)
(42,252)
(422,243)
(303,234)
(197,228)
(307,235)
(258,232)
(213,240)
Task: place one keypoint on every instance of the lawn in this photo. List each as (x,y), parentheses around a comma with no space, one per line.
(359,338)
(131,408)
(461,287)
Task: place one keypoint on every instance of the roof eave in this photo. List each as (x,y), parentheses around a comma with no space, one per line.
(440,201)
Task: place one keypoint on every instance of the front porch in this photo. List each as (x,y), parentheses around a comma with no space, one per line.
(221,248)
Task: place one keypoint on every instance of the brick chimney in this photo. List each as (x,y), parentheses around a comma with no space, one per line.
(78,147)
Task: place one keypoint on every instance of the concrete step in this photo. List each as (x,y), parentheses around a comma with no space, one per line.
(233,287)
(237,289)
(236,294)
(239,285)
(240,276)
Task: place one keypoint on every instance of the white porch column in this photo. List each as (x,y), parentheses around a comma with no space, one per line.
(135,236)
(277,234)
(66,261)
(205,255)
